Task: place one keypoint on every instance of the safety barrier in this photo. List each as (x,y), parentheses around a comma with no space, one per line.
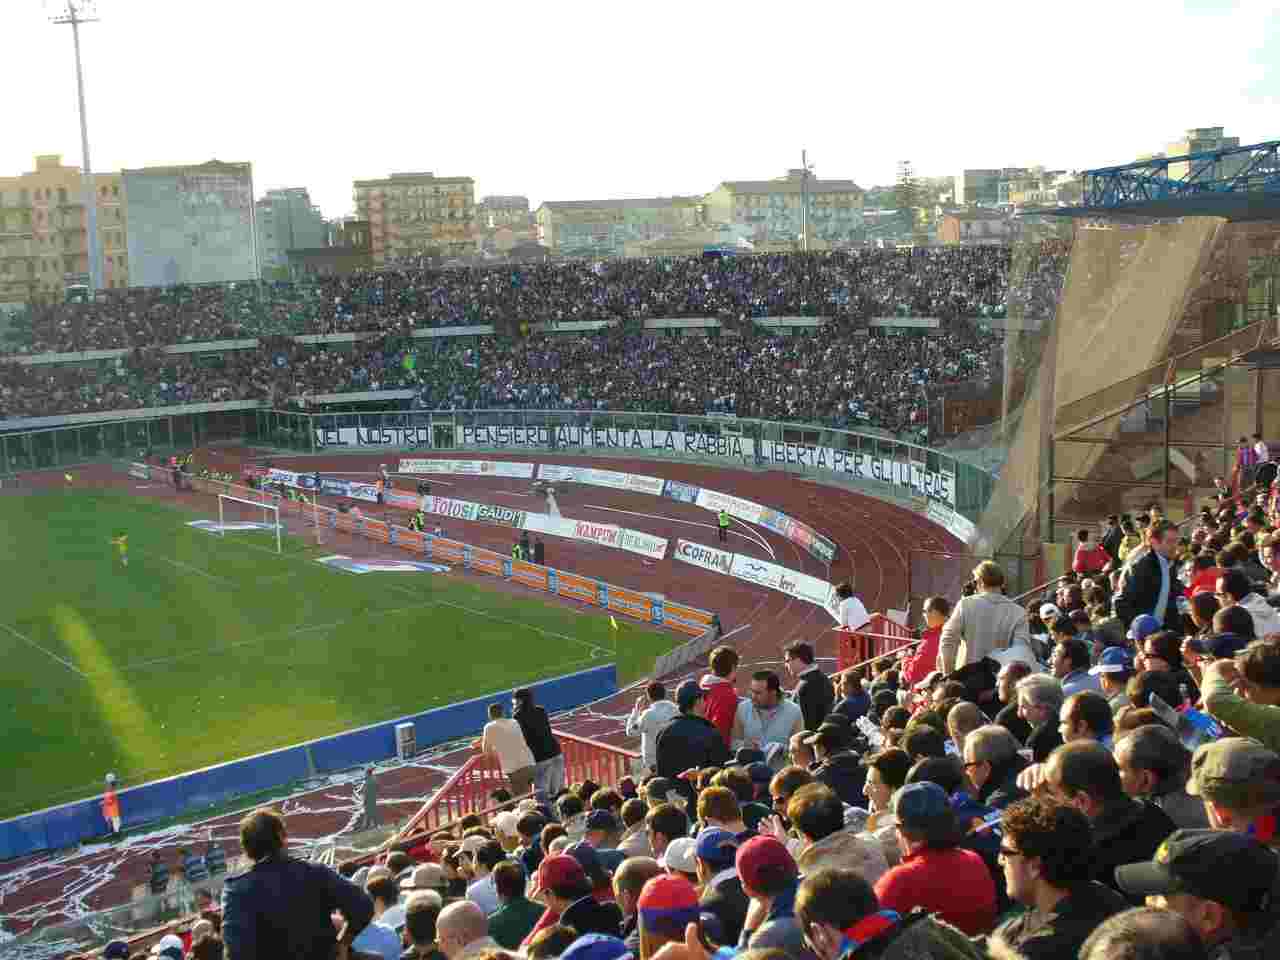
(878,638)
(561,583)
(67,825)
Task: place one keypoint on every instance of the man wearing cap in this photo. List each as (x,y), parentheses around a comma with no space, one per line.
(282,906)
(838,766)
(766,720)
(679,858)
(1221,883)
(666,906)
(516,914)
(1044,855)
(722,895)
(689,741)
(935,872)
(817,814)
(770,878)
(628,882)
(1244,693)
(649,715)
(116,950)
(1239,782)
(1153,766)
(426,876)
(603,829)
(1150,585)
(1113,670)
(168,947)
(566,890)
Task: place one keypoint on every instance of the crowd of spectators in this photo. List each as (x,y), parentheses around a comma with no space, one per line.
(847,286)
(1094,775)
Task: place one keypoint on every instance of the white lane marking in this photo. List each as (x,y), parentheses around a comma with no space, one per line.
(691,523)
(726,636)
(48,653)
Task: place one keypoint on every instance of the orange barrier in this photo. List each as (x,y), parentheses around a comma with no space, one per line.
(878,636)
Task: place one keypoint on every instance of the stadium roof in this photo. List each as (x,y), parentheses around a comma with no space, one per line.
(1252,205)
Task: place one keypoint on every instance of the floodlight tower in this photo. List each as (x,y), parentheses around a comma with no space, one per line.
(76,12)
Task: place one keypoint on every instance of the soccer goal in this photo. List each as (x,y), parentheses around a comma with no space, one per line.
(270,515)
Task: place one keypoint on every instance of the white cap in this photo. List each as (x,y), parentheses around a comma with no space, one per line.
(167,941)
(1049,613)
(679,855)
(505,823)
(473,843)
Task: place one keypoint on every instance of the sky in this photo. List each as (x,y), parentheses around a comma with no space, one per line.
(577,101)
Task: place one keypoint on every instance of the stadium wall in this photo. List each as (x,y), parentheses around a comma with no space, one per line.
(72,823)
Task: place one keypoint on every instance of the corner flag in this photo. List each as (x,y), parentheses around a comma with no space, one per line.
(613,623)
(67,477)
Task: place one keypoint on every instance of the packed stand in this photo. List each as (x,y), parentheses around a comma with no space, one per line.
(848,286)
(1095,775)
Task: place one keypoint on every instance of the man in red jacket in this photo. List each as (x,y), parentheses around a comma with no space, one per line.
(720,690)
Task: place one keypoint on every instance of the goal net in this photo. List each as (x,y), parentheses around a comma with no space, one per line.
(238,510)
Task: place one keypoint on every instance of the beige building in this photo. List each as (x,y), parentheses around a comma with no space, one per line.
(606,227)
(771,209)
(44,231)
(495,211)
(418,213)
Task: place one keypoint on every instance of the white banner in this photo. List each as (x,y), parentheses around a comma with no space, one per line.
(802,586)
(734,506)
(862,466)
(475,468)
(633,541)
(589,438)
(140,471)
(602,478)
(373,437)
(960,527)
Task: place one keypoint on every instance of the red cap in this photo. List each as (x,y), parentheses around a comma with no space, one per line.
(761,854)
(561,870)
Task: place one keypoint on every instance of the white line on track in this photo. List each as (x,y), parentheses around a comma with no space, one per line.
(745,626)
(48,653)
(691,523)
(755,536)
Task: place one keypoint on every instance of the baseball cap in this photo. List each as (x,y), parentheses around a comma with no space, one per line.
(688,693)
(561,870)
(1143,626)
(427,876)
(760,772)
(667,903)
(1049,612)
(717,847)
(659,787)
(586,856)
(473,843)
(1113,660)
(1235,772)
(603,820)
(1219,645)
(920,803)
(116,950)
(679,855)
(1230,868)
(832,737)
(169,941)
(596,946)
(505,823)
(760,854)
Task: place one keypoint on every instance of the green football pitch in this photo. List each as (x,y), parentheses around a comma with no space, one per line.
(205,648)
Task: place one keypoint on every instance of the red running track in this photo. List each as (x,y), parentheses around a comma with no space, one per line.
(874,538)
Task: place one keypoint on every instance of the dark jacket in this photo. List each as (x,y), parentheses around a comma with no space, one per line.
(1001,788)
(1044,739)
(589,915)
(917,936)
(689,741)
(854,707)
(728,903)
(1009,719)
(537,732)
(281,908)
(844,774)
(816,697)
(1130,832)
(1111,541)
(513,921)
(1141,589)
(1064,931)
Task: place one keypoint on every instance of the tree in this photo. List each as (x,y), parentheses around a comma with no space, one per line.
(906,194)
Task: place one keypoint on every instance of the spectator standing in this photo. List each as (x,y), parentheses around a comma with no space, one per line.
(649,715)
(1150,584)
(766,720)
(722,525)
(840,913)
(720,690)
(282,906)
(158,881)
(1044,854)
(980,624)
(548,773)
(504,738)
(813,692)
(1112,535)
(1089,558)
(935,873)
(369,799)
(689,741)
(111,806)
(852,612)
(516,914)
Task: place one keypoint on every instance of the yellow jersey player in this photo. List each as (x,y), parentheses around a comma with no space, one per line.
(122,548)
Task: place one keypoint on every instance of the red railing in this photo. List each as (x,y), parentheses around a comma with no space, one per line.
(880,638)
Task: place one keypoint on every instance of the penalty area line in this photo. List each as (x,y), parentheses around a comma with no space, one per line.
(47,652)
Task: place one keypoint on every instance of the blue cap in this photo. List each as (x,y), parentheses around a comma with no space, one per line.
(968,809)
(687,694)
(116,950)
(596,946)
(585,854)
(1113,660)
(717,847)
(1219,645)
(920,802)
(1143,626)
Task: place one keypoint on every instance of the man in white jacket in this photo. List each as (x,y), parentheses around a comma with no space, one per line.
(649,717)
(982,623)
(1234,588)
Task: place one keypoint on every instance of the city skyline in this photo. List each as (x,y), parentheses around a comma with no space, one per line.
(572,105)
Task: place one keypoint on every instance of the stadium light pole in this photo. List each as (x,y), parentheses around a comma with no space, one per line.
(804,199)
(76,12)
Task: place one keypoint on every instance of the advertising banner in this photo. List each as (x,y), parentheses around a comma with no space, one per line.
(472,468)
(140,471)
(575,587)
(448,550)
(708,558)
(939,486)
(630,603)
(734,506)
(960,527)
(678,490)
(575,439)
(529,574)
(405,501)
(362,491)
(487,561)
(447,507)
(506,516)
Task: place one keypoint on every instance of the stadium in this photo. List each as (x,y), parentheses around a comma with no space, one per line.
(642,578)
